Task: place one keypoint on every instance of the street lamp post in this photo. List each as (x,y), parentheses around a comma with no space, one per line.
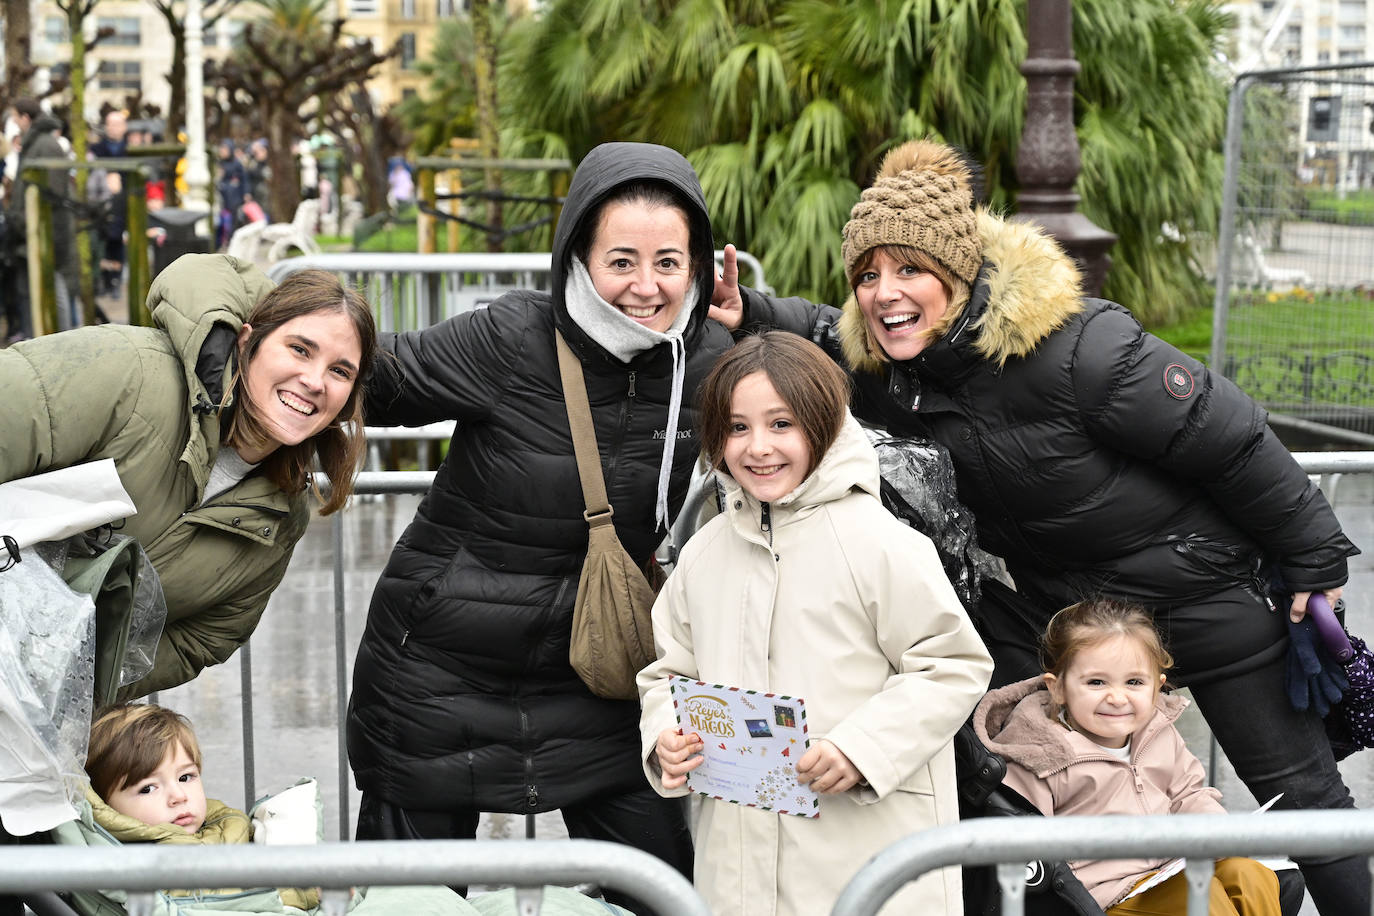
(1047,162)
(197,170)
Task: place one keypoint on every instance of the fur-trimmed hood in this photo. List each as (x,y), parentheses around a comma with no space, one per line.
(1028,288)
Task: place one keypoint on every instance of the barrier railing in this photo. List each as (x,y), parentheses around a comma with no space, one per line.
(417,290)
(1009,842)
(142,869)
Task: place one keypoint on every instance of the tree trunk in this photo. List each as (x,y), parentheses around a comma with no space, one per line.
(283,128)
(367,131)
(85,273)
(18,28)
(176,105)
(488,131)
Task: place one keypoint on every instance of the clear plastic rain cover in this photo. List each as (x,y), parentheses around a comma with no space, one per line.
(47,678)
(918,487)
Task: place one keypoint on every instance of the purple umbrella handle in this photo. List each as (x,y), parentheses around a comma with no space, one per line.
(1332,633)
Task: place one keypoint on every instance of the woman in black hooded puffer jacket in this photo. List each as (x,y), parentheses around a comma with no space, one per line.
(463,698)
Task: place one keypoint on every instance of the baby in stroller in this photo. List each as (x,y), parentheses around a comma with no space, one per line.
(1095,735)
(144,764)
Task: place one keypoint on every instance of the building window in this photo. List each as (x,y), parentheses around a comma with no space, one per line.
(1293,34)
(362,8)
(120,74)
(236,28)
(125,31)
(1352,33)
(1351,55)
(407,9)
(407,50)
(408,93)
(55,30)
(444,8)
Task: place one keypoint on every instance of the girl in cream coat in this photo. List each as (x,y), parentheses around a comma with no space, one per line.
(807,586)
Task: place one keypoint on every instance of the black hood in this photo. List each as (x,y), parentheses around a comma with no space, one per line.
(606,168)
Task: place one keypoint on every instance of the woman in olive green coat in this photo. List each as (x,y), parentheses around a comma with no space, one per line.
(213,418)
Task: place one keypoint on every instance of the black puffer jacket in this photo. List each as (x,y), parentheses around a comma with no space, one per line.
(1096,458)
(463,696)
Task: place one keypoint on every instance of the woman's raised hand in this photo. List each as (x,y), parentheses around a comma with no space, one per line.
(727,306)
(678,755)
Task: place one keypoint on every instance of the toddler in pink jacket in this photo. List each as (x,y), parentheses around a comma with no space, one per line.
(1094,735)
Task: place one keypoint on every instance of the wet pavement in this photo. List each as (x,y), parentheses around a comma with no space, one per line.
(295,702)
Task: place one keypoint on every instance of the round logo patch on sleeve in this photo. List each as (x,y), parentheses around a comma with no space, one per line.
(1178,381)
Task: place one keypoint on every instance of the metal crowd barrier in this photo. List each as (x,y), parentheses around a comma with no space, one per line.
(411,291)
(1009,842)
(142,869)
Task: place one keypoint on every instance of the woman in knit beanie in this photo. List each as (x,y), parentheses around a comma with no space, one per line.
(1096,458)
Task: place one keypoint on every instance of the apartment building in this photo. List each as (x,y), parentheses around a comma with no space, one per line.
(1337,131)
(136,57)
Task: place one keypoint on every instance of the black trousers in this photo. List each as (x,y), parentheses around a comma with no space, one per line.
(642,819)
(1274,748)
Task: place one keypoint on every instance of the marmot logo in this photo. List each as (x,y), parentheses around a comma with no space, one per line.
(681,434)
(1178,381)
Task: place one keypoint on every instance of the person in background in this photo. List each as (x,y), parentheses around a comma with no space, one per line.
(110,232)
(40,140)
(231,184)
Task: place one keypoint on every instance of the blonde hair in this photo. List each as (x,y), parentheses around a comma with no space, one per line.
(130,740)
(956,290)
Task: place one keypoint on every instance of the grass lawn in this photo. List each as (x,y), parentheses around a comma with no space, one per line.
(1292,349)
(1355,209)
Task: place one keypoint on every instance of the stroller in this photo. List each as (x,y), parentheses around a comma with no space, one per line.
(1051,887)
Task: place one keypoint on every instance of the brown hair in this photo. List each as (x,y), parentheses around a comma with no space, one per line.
(1090,622)
(339,446)
(129,741)
(27,107)
(811,384)
(955,288)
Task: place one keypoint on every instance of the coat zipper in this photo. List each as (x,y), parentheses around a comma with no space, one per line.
(626,411)
(531,790)
(766,524)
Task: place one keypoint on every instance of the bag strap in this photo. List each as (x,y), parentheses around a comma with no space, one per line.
(598,511)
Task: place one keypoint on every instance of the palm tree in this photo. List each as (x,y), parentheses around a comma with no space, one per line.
(786,107)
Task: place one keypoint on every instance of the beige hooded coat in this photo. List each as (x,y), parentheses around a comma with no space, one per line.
(849,609)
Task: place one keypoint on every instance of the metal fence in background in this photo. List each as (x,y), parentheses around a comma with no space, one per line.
(1294,317)
(410,291)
